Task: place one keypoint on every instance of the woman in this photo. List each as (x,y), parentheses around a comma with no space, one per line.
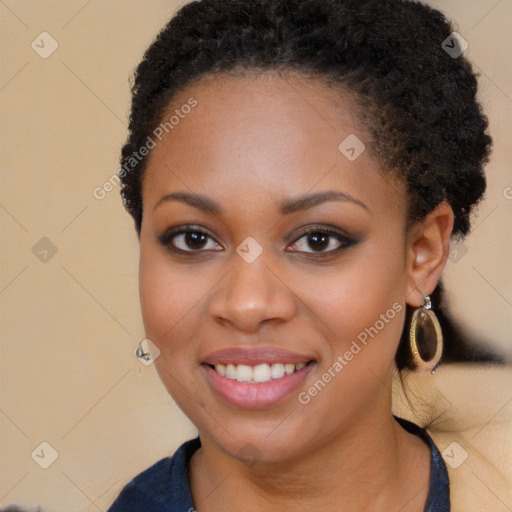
(295,171)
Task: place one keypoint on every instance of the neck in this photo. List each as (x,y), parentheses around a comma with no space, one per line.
(372,465)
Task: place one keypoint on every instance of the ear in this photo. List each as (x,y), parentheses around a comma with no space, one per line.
(428,247)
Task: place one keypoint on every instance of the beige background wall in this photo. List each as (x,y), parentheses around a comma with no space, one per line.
(70,320)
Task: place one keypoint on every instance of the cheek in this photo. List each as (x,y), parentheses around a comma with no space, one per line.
(173,300)
(155,294)
(356,295)
(166,295)
(361,311)
(168,299)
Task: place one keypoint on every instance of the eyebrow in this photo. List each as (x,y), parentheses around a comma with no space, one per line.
(287,207)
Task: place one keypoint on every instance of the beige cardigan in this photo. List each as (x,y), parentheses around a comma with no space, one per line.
(468,411)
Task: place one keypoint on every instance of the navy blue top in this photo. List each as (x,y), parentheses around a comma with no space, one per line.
(164,487)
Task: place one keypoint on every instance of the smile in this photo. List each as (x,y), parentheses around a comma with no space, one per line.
(258,386)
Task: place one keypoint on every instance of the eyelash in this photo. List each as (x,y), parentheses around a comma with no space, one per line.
(345,241)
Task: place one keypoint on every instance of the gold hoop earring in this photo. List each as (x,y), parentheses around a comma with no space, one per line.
(426,338)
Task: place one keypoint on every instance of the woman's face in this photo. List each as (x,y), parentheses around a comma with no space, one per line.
(258,165)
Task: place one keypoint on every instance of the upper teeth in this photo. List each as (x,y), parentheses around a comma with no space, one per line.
(258,373)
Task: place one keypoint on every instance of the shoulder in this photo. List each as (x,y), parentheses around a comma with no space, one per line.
(162,487)
(467,409)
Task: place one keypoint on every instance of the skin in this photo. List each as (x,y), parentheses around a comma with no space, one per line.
(249,144)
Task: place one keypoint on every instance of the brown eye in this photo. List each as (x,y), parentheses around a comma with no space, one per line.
(194,239)
(321,240)
(189,240)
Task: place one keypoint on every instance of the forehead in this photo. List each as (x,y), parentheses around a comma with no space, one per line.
(266,135)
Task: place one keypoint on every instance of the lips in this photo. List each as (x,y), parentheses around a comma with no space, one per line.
(255,356)
(256,377)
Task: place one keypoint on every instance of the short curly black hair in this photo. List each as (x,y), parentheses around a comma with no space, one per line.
(416,100)
(419,102)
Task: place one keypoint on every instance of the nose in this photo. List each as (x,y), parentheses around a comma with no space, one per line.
(252,294)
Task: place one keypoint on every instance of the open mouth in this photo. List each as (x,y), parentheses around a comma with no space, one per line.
(258,373)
